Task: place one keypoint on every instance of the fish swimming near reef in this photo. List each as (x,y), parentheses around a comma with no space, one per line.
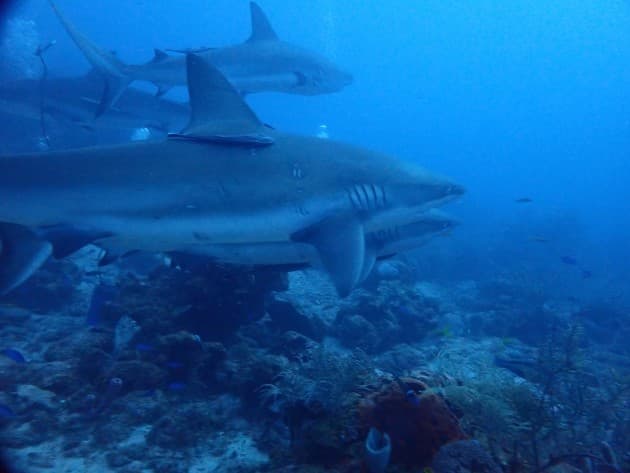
(225,180)
(263,63)
(14,355)
(6,413)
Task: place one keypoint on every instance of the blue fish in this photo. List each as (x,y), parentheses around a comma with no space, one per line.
(177,386)
(570,260)
(174,365)
(102,295)
(404,310)
(14,355)
(412,398)
(144,347)
(6,412)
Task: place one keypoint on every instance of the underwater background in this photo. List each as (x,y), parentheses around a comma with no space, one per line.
(506,337)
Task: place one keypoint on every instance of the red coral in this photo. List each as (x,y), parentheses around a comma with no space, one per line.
(418,422)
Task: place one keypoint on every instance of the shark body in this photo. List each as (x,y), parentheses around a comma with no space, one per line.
(225,181)
(263,63)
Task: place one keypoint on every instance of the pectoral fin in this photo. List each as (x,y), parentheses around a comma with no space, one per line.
(340,243)
(162,89)
(66,239)
(22,252)
(368,265)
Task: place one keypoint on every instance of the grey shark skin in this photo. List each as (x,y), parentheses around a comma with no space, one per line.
(74,101)
(225,180)
(263,63)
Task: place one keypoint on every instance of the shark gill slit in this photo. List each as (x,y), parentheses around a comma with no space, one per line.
(373,188)
(354,199)
(363,197)
(368,202)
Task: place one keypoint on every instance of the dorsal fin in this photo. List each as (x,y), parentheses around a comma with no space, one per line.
(218,112)
(261,28)
(158,56)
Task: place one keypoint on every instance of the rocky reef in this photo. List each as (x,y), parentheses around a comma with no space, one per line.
(193,367)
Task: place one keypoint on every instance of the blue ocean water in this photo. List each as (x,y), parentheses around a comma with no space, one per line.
(526,104)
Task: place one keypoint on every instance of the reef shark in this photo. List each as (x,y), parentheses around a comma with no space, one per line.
(74,101)
(293,255)
(226,179)
(263,63)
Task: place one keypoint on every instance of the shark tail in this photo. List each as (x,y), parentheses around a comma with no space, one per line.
(105,62)
(22,252)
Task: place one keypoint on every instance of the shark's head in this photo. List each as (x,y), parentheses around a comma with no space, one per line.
(419,231)
(428,223)
(379,189)
(315,75)
(409,190)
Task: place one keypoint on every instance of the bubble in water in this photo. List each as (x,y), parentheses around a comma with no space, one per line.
(323,132)
(141,134)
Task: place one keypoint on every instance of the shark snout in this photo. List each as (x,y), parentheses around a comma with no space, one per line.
(455,190)
(347,79)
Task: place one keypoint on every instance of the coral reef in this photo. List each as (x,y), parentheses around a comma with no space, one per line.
(194,367)
(464,456)
(417,420)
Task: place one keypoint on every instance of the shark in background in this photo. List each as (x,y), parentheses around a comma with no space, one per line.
(226,181)
(68,105)
(292,255)
(263,63)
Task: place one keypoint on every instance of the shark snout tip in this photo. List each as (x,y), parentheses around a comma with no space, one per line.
(456,189)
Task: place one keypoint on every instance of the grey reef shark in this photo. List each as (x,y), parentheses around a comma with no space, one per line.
(226,187)
(263,63)
(73,101)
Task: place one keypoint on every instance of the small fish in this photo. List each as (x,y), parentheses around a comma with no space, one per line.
(587,274)
(14,355)
(404,310)
(523,200)
(181,310)
(176,386)
(570,260)
(144,347)
(174,365)
(412,398)
(6,412)
(539,239)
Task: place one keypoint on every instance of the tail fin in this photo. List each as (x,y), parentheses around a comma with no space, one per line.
(112,69)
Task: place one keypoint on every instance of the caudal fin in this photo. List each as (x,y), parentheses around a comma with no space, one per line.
(105,62)
(22,252)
